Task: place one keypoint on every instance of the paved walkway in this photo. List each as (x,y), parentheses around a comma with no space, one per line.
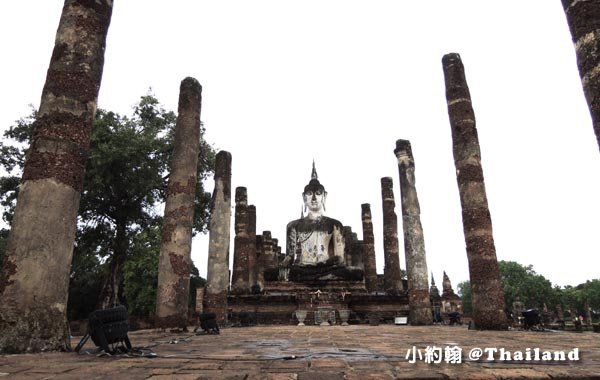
(314,352)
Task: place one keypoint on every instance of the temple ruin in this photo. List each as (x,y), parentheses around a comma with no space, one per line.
(325,275)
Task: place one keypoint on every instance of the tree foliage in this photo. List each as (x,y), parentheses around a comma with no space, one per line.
(464,290)
(119,217)
(576,299)
(533,289)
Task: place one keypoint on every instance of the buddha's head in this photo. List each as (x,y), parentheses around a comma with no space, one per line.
(314,196)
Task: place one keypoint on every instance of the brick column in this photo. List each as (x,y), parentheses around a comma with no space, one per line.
(268,258)
(260,262)
(369,249)
(34,280)
(357,252)
(486,288)
(414,243)
(217,282)
(582,17)
(241,244)
(172,295)
(392,282)
(252,260)
(347,245)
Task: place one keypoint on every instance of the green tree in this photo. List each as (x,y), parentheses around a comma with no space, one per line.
(86,278)
(3,239)
(533,289)
(141,273)
(591,292)
(125,181)
(464,291)
(574,298)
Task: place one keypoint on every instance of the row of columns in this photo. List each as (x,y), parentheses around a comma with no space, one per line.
(488,298)
(56,164)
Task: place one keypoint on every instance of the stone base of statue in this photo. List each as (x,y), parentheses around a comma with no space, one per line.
(286,302)
(326,271)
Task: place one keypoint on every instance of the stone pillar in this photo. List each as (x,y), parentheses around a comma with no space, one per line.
(369,249)
(276,251)
(260,262)
(392,281)
(268,250)
(241,244)
(252,260)
(487,292)
(34,282)
(414,243)
(347,245)
(175,261)
(582,17)
(356,253)
(217,281)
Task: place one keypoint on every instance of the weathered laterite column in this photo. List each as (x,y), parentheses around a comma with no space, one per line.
(414,243)
(392,281)
(347,245)
(34,282)
(268,249)
(217,281)
(260,262)
(486,288)
(368,248)
(356,258)
(267,255)
(252,259)
(175,261)
(276,252)
(583,19)
(241,243)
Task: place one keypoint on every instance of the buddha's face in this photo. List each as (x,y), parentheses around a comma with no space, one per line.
(314,199)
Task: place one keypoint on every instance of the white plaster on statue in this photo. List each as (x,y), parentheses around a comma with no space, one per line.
(315,238)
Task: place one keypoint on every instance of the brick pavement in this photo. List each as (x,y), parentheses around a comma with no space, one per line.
(315,352)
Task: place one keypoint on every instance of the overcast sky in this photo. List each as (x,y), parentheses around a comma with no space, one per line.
(286,82)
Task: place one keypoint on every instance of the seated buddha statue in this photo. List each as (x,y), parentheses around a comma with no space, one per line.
(315,242)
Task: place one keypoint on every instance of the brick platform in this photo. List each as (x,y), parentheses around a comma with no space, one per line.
(335,352)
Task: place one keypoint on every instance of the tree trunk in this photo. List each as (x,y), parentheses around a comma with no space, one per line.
(172,296)
(35,280)
(583,19)
(109,295)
